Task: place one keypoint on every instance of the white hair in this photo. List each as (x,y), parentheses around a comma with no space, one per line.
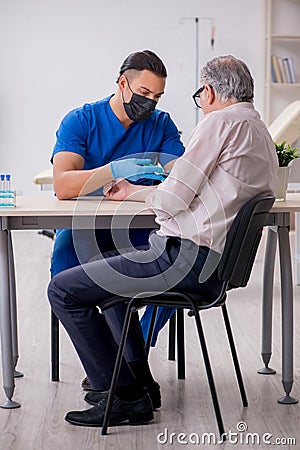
(229,77)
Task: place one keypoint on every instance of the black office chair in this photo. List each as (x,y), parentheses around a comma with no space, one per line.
(234,271)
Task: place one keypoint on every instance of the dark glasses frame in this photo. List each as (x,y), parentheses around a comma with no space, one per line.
(196,97)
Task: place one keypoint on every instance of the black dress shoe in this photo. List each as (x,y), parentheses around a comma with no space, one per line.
(153,389)
(135,413)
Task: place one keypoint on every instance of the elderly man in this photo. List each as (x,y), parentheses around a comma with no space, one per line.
(229,159)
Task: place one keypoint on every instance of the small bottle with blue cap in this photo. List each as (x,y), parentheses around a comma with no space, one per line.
(2,189)
(7,195)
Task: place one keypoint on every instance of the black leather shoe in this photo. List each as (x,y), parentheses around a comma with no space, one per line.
(153,389)
(135,413)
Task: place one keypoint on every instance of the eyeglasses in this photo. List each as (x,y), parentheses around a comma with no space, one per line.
(196,96)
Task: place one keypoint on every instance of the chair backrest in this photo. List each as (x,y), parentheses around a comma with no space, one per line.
(242,241)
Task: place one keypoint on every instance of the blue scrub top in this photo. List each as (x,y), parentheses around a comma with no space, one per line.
(94,132)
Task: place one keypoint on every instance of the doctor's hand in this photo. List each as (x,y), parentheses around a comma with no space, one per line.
(134,169)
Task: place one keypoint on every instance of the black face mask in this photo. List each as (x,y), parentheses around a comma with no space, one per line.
(139,107)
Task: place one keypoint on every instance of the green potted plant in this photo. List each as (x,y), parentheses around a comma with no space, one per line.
(285,155)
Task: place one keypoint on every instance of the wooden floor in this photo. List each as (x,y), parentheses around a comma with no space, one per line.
(39,423)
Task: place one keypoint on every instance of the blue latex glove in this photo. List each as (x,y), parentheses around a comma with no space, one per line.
(134,169)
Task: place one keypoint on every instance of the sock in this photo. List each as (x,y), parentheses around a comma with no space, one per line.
(142,372)
(130,392)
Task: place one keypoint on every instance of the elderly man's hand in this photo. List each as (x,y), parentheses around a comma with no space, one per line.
(117,190)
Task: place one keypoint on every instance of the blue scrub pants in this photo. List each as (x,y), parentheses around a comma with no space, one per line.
(76,295)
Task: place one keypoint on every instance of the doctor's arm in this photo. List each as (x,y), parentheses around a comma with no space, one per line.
(70,180)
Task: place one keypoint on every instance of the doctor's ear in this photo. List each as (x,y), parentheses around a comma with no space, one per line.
(122,82)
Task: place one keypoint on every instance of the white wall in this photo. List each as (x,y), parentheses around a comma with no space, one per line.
(59,54)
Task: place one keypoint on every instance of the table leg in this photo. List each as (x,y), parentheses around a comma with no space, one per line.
(13,306)
(297,246)
(267,304)
(287,314)
(5,324)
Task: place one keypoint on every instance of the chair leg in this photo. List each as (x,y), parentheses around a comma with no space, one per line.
(172,332)
(54,347)
(115,375)
(234,356)
(151,329)
(209,374)
(180,345)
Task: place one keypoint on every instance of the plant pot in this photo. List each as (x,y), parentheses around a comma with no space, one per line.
(283,179)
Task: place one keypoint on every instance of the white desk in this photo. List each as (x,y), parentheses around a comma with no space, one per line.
(279,227)
(48,212)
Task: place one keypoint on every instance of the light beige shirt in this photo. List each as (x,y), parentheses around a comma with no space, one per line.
(230,158)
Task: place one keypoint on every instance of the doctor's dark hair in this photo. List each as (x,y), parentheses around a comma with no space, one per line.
(144,60)
(229,77)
